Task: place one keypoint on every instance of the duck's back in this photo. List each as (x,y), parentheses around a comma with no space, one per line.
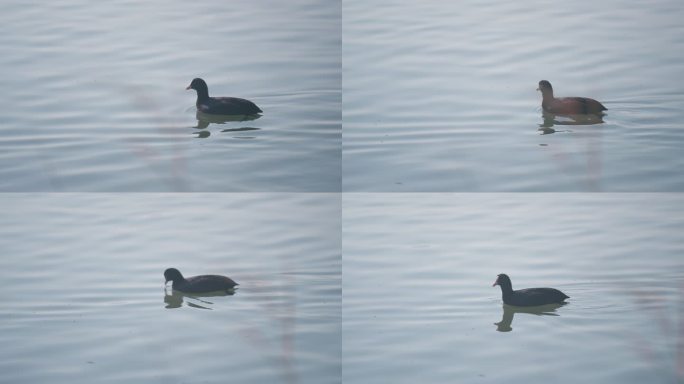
(206,283)
(574,106)
(228,106)
(535,296)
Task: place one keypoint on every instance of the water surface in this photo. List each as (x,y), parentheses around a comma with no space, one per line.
(84,298)
(440,96)
(94,96)
(419,305)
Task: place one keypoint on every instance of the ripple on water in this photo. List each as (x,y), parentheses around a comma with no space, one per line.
(96,81)
(475,67)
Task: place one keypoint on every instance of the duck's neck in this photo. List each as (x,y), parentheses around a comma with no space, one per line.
(547,96)
(202,95)
(506,288)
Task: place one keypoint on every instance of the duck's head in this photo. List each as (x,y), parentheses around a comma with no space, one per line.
(545,88)
(503,280)
(198,84)
(172,274)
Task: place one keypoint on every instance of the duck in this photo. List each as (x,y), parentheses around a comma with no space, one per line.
(198,284)
(528,297)
(568,105)
(221,105)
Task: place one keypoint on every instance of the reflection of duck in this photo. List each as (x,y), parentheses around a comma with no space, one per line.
(175,299)
(509,312)
(204,120)
(221,105)
(568,105)
(551,119)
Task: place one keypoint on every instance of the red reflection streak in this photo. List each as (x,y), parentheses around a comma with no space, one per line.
(285,314)
(175,181)
(592,181)
(680,335)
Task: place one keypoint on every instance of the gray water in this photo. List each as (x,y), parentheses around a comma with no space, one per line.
(94,96)
(84,298)
(419,305)
(423,96)
(441,96)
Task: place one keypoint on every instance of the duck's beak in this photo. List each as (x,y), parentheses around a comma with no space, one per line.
(188,87)
(496,282)
(537,88)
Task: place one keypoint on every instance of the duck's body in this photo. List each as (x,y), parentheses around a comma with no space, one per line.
(528,297)
(568,105)
(198,284)
(221,105)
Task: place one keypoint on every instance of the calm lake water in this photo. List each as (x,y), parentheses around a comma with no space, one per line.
(419,305)
(441,96)
(94,95)
(434,97)
(84,299)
